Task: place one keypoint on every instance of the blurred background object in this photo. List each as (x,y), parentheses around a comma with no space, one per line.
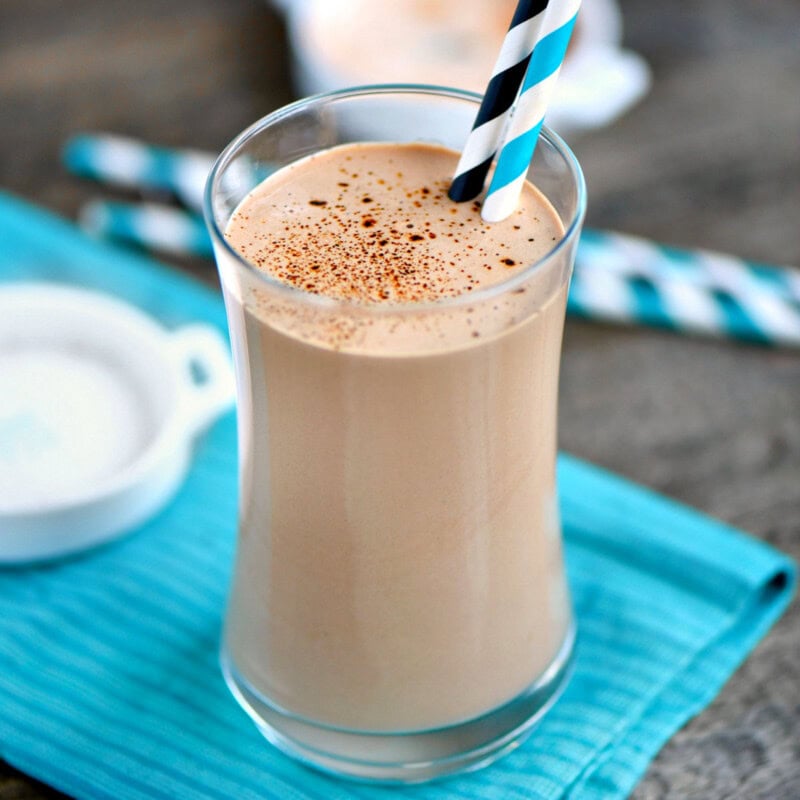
(454,43)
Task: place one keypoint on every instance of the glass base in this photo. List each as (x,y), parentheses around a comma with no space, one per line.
(408,757)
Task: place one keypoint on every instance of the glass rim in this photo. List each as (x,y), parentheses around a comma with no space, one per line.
(326,303)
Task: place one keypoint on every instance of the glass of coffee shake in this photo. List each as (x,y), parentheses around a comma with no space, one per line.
(399,608)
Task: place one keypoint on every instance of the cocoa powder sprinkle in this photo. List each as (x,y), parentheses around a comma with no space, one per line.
(403,250)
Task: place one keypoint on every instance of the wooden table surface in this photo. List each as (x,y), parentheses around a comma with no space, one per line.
(710,158)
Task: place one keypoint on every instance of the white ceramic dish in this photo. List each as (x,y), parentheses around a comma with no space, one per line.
(99,406)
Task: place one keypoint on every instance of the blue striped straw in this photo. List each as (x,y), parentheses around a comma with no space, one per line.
(681,306)
(507,76)
(631,256)
(149,225)
(130,164)
(526,122)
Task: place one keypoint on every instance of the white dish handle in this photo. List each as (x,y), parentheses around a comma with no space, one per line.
(208,384)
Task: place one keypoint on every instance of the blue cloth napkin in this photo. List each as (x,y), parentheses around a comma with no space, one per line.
(109,684)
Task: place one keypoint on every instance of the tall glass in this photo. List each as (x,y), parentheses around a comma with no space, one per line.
(399,608)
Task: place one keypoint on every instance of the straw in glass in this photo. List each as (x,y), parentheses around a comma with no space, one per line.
(507,76)
(519,144)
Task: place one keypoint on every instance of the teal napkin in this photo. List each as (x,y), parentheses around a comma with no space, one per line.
(109,685)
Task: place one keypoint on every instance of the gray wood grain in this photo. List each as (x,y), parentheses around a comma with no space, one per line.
(710,158)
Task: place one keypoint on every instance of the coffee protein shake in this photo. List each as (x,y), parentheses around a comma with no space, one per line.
(399,565)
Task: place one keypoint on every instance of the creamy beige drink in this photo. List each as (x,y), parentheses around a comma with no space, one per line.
(399,565)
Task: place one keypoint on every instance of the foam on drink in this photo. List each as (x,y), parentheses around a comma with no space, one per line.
(373,223)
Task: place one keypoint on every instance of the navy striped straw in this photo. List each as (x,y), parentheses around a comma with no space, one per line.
(507,76)
(520,140)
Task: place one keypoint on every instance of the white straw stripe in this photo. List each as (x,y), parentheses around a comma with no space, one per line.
(558,14)
(165,228)
(690,307)
(605,256)
(605,294)
(772,315)
(634,256)
(120,161)
(629,256)
(501,203)
(518,43)
(481,143)
(728,273)
(191,172)
(532,105)
(792,281)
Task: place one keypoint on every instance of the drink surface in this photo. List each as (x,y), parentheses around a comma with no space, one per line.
(399,564)
(373,223)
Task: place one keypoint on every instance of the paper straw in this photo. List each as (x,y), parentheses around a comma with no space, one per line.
(636,257)
(681,306)
(519,144)
(507,76)
(130,164)
(149,225)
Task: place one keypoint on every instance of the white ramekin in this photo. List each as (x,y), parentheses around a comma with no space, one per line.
(99,406)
